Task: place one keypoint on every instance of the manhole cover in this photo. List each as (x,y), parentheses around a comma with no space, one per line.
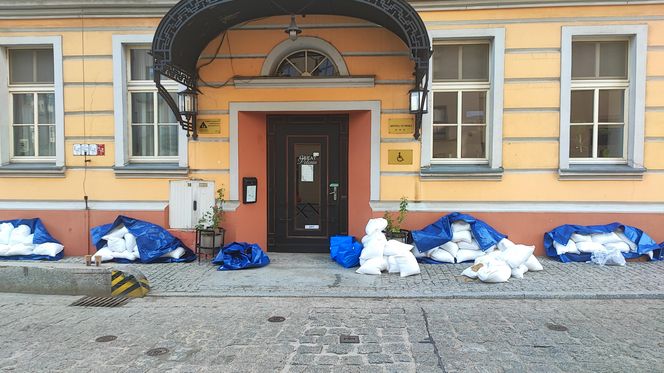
(106,338)
(100,302)
(349,339)
(276,319)
(157,351)
(556,327)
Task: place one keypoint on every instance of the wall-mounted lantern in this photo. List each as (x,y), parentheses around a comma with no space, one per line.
(293,30)
(188,106)
(418,101)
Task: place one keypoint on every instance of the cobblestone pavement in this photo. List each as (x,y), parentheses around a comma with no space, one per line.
(316,275)
(43,333)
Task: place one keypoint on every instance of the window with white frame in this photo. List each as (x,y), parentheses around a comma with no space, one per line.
(599,99)
(32,112)
(460,86)
(153,129)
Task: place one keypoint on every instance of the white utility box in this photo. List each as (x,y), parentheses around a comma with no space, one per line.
(189,200)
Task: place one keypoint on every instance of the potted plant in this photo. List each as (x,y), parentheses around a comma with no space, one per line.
(209,233)
(393,230)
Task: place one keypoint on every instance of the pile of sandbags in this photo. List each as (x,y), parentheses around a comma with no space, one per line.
(380,255)
(462,248)
(121,244)
(590,243)
(19,242)
(506,260)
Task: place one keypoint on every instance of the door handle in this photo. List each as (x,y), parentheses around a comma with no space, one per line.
(335,191)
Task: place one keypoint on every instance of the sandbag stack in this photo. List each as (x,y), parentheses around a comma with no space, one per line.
(506,260)
(19,242)
(590,243)
(380,255)
(121,244)
(462,248)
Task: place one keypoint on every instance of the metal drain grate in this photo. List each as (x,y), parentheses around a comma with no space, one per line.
(556,327)
(349,338)
(100,302)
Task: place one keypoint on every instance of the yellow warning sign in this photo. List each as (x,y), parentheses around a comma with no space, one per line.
(400,126)
(208,126)
(400,156)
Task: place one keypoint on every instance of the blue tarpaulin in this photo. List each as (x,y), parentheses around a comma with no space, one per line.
(241,255)
(440,232)
(41,235)
(153,241)
(563,233)
(345,250)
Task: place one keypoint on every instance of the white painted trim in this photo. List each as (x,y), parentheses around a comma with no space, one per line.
(497,79)
(525,206)
(638,35)
(307,106)
(56,43)
(286,47)
(80,205)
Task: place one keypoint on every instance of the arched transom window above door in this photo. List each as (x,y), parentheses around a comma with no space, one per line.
(306,63)
(304,57)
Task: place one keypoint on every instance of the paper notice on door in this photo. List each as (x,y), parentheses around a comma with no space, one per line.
(312,226)
(307,173)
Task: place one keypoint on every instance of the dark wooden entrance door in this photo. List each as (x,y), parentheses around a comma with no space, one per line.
(307,181)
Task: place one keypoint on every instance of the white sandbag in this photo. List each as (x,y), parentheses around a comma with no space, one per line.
(473,245)
(19,234)
(496,271)
(130,241)
(576,237)
(621,246)
(378,235)
(124,255)
(632,246)
(533,264)
(373,266)
(20,249)
(608,257)
(441,255)
(3,249)
(48,248)
(468,272)
(467,255)
(589,246)
(460,225)
(394,247)
(517,255)
(375,225)
(564,249)
(416,252)
(28,240)
(492,248)
(373,250)
(117,232)
(104,253)
(5,233)
(462,236)
(450,247)
(175,254)
(116,245)
(519,271)
(407,265)
(392,265)
(486,258)
(135,251)
(505,244)
(605,238)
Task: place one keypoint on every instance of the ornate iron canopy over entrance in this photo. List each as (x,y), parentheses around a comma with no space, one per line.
(191,24)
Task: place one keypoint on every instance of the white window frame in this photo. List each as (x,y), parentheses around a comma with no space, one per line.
(494,112)
(30,42)
(121,46)
(635,90)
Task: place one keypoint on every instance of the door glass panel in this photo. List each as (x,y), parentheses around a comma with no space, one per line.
(308,199)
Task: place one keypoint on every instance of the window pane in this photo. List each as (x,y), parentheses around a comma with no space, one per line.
(473,142)
(168,140)
(581,142)
(445,142)
(474,107)
(611,106)
(142,107)
(445,107)
(21,62)
(165,114)
(475,61)
(142,141)
(613,59)
(610,141)
(46,140)
(581,110)
(583,60)
(445,62)
(45,66)
(141,65)
(24,141)
(23,108)
(46,108)
(327,68)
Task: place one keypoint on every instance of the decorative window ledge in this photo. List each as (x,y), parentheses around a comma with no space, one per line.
(32,170)
(461,172)
(151,170)
(601,172)
(305,82)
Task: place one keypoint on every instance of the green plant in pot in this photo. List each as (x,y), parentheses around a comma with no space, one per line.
(393,230)
(209,230)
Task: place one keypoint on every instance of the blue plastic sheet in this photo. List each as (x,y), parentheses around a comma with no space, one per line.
(153,241)
(440,232)
(41,235)
(241,255)
(563,233)
(345,250)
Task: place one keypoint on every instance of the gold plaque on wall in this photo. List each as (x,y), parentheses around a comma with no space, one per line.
(208,126)
(400,156)
(396,126)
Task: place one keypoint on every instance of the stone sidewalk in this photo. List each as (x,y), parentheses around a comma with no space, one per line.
(315,275)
